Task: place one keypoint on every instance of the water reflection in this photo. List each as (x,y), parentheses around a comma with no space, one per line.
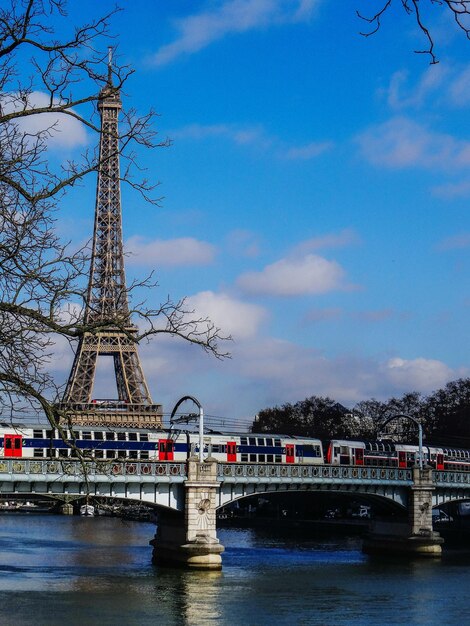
(99,571)
(195,596)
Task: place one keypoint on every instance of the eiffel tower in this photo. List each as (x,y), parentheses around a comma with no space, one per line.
(107,300)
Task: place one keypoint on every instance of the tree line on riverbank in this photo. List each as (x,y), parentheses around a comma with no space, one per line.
(444,415)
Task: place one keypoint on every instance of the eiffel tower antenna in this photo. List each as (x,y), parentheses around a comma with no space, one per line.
(107,300)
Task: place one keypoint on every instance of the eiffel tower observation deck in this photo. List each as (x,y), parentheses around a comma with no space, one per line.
(107,302)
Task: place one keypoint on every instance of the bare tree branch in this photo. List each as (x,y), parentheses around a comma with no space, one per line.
(459,9)
(43,279)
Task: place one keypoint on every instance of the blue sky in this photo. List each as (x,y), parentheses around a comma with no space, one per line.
(315,197)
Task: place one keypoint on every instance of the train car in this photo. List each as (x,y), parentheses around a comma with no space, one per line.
(123,444)
(150,445)
(376,453)
(457,459)
(384,454)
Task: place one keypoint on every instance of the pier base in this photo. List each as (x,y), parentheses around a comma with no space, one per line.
(397,539)
(416,537)
(190,538)
(171,548)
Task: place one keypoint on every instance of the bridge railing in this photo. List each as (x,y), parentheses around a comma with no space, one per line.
(112,469)
(447,478)
(311,472)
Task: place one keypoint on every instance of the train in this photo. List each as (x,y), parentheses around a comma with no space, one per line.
(128,444)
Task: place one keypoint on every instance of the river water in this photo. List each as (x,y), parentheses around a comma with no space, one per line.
(70,571)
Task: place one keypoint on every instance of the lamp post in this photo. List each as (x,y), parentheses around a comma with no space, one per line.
(201,421)
(420,433)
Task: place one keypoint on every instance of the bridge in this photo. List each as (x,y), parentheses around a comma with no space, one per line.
(189,494)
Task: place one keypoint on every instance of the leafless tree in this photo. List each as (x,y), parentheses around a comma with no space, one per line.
(45,80)
(419,11)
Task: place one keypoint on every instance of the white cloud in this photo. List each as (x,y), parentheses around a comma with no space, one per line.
(459,89)
(239,319)
(417,374)
(253,136)
(239,135)
(197,31)
(311,274)
(321,315)
(456,242)
(243,243)
(341,239)
(309,151)
(171,252)
(432,80)
(63,131)
(449,191)
(280,371)
(401,142)
(264,371)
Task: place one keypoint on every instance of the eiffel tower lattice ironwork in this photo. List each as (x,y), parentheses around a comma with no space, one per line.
(107,300)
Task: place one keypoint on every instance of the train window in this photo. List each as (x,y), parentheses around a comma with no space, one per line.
(336,450)
(261,458)
(269,441)
(109,436)
(252,441)
(63,452)
(98,435)
(132,436)
(278,458)
(121,454)
(38,453)
(49,434)
(260,441)
(243,441)
(86,434)
(144,436)
(37,434)
(110,454)
(269,458)
(121,436)
(216,448)
(277,442)
(8,444)
(17,443)
(133,454)
(144,455)
(252,458)
(244,458)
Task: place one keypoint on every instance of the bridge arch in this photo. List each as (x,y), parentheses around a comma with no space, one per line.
(395,500)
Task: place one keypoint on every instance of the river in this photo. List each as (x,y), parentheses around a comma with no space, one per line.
(71,571)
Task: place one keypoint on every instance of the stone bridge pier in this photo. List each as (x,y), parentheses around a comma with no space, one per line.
(190,538)
(415,537)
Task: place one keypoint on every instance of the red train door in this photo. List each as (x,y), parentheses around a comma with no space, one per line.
(290,455)
(402,460)
(13,445)
(359,456)
(165,450)
(231,451)
(439,461)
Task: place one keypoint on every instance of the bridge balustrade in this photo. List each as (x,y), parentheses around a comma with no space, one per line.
(312,472)
(451,478)
(112,469)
